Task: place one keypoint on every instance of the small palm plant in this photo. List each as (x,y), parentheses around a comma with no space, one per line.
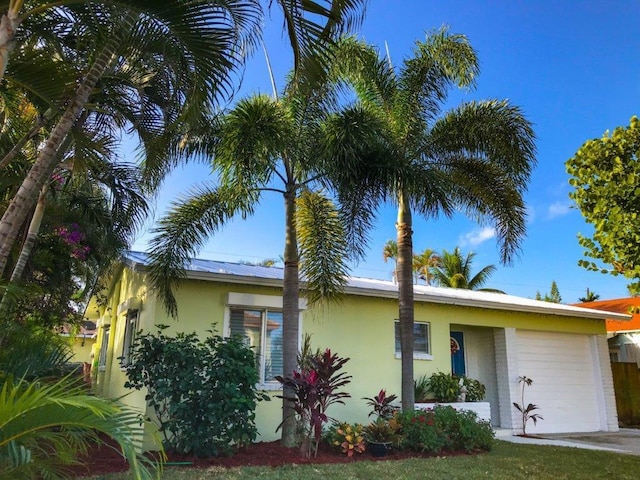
(526,411)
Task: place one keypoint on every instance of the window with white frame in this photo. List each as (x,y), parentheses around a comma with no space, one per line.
(260,329)
(102,359)
(421,340)
(130,328)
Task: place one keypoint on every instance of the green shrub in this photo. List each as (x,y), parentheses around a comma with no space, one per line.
(421,389)
(444,386)
(203,392)
(444,428)
(475,390)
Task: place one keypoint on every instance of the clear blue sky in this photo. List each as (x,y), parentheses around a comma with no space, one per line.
(573,67)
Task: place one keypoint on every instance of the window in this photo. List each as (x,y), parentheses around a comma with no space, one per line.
(260,329)
(102,359)
(130,328)
(421,341)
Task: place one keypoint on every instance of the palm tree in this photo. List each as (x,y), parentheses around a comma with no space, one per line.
(454,271)
(265,145)
(424,263)
(476,158)
(591,296)
(390,251)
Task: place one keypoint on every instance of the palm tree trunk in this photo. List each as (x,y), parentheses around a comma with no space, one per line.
(290,315)
(405,299)
(27,246)
(9,23)
(45,163)
(40,122)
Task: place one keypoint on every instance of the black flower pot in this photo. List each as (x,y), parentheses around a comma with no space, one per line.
(379,449)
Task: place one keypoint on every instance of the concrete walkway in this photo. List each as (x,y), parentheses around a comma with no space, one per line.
(624,441)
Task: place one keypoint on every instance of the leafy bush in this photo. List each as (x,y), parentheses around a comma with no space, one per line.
(444,428)
(315,390)
(203,392)
(349,439)
(444,386)
(475,390)
(382,431)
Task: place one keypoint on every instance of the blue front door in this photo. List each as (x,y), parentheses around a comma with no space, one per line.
(457,354)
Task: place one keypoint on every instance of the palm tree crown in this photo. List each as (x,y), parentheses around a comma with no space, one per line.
(455,271)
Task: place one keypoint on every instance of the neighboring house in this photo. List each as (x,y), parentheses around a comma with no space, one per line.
(82,340)
(497,338)
(623,336)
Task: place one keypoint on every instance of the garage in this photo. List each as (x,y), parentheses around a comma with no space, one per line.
(564,374)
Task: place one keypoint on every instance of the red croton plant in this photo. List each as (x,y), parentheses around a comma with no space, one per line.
(314,390)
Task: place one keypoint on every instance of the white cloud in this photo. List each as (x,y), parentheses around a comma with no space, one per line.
(477,236)
(531,214)
(558,209)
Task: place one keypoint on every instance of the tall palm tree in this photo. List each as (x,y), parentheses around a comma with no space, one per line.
(455,271)
(265,145)
(424,263)
(476,158)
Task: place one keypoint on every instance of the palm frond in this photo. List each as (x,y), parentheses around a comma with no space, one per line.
(182,232)
(323,247)
(46,426)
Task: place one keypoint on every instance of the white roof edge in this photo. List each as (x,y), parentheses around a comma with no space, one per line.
(546,307)
(437,295)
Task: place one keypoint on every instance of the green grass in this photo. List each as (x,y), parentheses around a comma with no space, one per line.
(507,461)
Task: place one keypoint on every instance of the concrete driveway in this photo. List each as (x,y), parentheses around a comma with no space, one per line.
(626,440)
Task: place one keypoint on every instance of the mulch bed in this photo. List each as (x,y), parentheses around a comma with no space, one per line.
(108,460)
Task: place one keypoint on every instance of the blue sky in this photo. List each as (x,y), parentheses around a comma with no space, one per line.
(574,69)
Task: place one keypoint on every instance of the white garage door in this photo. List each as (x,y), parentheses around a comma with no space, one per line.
(564,384)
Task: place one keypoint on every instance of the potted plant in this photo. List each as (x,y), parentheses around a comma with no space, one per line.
(380,436)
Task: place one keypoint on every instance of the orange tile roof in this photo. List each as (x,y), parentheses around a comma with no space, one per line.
(618,305)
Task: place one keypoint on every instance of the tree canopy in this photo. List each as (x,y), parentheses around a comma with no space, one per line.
(605,173)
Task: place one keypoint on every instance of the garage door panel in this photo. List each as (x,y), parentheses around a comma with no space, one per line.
(564,388)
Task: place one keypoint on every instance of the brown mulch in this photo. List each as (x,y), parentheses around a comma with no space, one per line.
(108,460)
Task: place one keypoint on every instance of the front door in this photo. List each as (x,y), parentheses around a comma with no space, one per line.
(457,354)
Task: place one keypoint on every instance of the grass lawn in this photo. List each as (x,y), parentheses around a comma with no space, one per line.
(506,461)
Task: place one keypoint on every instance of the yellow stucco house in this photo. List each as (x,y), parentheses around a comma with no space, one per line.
(497,338)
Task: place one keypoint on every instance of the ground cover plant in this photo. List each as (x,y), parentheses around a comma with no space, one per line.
(506,461)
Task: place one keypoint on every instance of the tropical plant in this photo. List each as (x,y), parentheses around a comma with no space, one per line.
(476,158)
(390,251)
(202,392)
(475,390)
(444,386)
(421,389)
(591,296)
(455,271)
(349,439)
(603,173)
(314,391)
(424,264)
(526,412)
(46,426)
(382,404)
(382,430)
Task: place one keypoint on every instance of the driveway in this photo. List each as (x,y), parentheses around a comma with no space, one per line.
(627,440)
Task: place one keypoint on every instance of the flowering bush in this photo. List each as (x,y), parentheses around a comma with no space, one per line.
(346,437)
(73,237)
(444,428)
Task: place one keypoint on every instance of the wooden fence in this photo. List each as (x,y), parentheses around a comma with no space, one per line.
(626,383)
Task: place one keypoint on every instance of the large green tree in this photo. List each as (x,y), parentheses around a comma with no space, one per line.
(476,158)
(455,271)
(605,174)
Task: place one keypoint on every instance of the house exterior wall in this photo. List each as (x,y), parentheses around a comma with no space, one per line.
(359,327)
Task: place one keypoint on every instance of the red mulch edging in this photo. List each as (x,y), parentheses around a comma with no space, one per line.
(106,459)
